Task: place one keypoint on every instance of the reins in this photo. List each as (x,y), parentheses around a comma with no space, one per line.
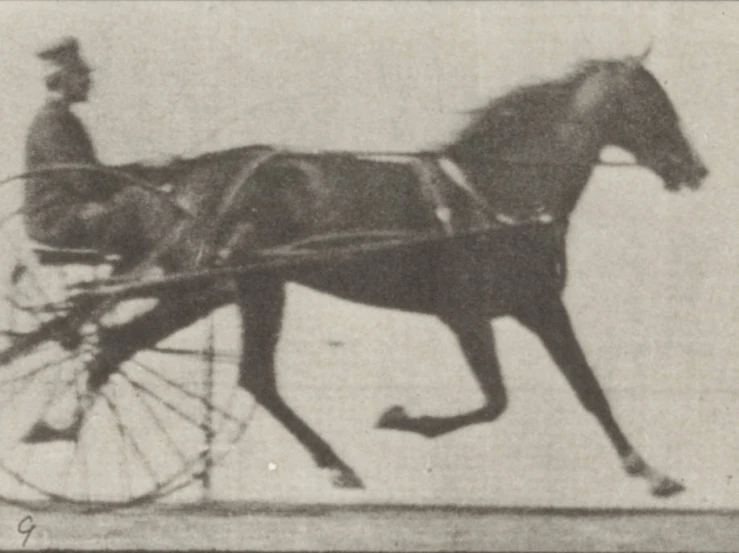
(299,253)
(438,153)
(289,256)
(135,181)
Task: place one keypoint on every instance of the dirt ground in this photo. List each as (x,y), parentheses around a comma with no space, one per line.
(373,527)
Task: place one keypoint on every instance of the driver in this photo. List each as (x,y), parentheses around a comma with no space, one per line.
(80,209)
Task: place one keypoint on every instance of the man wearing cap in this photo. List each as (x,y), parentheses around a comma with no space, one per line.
(79,209)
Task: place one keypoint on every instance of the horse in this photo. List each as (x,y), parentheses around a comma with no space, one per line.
(517,169)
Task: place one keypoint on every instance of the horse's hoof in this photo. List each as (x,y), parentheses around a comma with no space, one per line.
(392,418)
(634,465)
(346,478)
(667,487)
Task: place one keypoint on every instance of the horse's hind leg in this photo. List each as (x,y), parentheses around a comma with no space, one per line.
(477,341)
(551,322)
(261,305)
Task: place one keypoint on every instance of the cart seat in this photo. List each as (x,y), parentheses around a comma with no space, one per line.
(49,255)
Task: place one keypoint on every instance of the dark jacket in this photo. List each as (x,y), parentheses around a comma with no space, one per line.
(51,202)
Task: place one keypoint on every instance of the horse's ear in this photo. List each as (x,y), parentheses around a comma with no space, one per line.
(641,58)
(645,54)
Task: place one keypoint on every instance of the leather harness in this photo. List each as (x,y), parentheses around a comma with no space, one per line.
(433,174)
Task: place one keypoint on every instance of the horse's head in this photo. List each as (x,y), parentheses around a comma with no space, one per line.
(641,119)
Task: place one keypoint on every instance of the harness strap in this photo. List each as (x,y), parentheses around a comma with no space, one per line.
(455,174)
(242,178)
(560,226)
(560,246)
(430,189)
(207,247)
(427,176)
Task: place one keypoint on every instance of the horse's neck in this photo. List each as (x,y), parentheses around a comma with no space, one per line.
(546,167)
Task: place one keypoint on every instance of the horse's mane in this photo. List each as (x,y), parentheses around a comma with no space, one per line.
(518,112)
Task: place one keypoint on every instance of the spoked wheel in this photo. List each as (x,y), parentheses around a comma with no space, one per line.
(156,424)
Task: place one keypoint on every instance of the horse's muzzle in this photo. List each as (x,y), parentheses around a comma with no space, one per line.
(680,176)
(696,176)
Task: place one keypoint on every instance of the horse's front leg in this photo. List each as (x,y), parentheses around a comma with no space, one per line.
(477,342)
(550,321)
(261,304)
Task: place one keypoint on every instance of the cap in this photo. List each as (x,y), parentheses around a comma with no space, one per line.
(62,53)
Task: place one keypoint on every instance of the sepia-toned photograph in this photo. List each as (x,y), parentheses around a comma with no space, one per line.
(396,276)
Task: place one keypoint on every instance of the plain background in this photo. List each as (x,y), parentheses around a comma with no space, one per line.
(653,278)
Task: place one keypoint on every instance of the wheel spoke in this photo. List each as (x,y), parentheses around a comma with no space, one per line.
(134,442)
(138,386)
(26,384)
(78,453)
(243,423)
(35,372)
(145,401)
(85,467)
(31,451)
(226,416)
(45,327)
(123,451)
(192,395)
(54,496)
(67,472)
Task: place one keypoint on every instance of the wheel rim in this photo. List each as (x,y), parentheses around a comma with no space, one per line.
(151,429)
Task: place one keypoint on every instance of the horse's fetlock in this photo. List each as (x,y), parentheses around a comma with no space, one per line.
(328,460)
(495,408)
(634,465)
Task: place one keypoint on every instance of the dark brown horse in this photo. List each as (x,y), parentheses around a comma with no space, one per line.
(527,153)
